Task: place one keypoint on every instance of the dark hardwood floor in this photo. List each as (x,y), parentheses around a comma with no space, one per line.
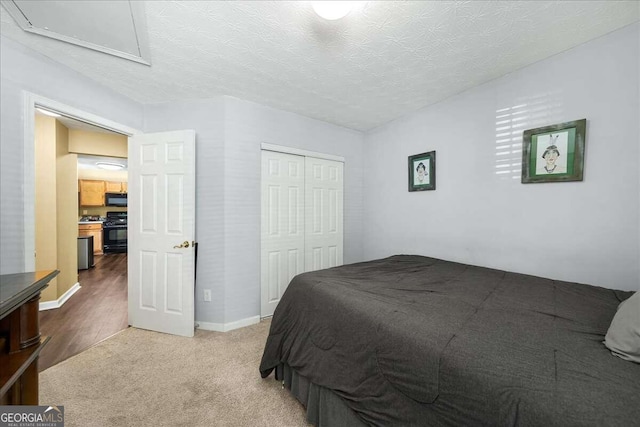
(97,311)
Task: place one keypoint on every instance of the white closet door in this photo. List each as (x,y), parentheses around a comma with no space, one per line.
(283,238)
(323,213)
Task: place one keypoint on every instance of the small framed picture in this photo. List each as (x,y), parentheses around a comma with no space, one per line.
(554,153)
(422,171)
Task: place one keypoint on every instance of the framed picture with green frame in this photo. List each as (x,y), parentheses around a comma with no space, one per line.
(554,153)
(422,171)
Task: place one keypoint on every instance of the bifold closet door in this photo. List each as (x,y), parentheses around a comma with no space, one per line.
(324,182)
(282,235)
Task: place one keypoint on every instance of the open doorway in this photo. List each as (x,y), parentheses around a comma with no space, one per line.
(160,229)
(66,153)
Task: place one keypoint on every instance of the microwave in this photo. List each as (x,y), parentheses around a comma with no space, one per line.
(115,199)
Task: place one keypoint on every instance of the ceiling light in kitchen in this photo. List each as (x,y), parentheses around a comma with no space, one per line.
(110,166)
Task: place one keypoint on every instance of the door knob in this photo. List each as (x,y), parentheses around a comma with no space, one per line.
(184,244)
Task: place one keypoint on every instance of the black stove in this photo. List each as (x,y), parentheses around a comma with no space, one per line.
(115,232)
(115,219)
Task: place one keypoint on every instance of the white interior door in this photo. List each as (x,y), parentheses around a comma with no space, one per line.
(161,230)
(323,213)
(282,251)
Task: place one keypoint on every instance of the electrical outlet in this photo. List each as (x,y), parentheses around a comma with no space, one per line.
(84,212)
(207,295)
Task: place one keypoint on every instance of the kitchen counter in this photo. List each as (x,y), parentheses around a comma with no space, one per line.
(90,222)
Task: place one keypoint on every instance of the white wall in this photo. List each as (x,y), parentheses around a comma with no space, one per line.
(580,231)
(22,69)
(206,117)
(247,125)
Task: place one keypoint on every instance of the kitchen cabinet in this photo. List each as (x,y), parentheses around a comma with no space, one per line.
(91,192)
(115,187)
(94,230)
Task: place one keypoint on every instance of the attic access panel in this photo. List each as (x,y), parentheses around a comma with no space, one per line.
(114,27)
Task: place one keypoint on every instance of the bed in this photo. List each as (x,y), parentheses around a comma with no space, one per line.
(411,340)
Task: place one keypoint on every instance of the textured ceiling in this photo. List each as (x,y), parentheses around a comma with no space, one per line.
(383,60)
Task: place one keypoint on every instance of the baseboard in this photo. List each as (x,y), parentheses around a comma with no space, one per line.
(226,327)
(50,305)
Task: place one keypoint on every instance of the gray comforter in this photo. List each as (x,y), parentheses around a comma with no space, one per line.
(410,340)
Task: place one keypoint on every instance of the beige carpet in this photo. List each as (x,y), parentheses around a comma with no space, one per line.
(142,378)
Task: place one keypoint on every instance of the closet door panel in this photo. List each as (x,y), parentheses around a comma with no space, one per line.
(324,213)
(282,235)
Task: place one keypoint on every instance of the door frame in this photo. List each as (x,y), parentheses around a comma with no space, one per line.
(300,152)
(31,101)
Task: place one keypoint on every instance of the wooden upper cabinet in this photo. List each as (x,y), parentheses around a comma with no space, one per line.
(91,192)
(113,187)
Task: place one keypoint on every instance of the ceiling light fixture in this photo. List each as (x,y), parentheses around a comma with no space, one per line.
(47,112)
(110,166)
(332,10)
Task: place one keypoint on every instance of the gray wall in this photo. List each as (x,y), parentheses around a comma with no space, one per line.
(22,69)
(480,213)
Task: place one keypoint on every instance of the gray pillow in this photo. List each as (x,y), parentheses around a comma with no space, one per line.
(623,336)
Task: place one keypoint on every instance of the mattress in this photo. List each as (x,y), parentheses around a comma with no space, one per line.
(410,340)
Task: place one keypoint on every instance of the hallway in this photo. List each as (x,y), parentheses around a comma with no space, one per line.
(97,311)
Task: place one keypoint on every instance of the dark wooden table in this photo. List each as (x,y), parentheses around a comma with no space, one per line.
(20,340)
